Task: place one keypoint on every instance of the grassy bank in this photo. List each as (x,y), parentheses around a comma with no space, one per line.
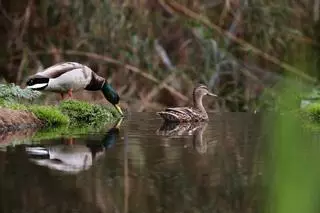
(15,100)
(68,112)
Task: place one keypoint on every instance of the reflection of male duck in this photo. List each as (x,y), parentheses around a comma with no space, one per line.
(73,158)
(196,129)
(65,158)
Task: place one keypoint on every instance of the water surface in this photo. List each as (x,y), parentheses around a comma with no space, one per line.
(140,167)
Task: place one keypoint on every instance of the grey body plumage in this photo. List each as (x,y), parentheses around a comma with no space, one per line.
(68,77)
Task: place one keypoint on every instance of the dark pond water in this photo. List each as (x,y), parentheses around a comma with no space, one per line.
(140,167)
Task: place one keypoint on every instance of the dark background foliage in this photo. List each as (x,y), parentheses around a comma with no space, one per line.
(154,52)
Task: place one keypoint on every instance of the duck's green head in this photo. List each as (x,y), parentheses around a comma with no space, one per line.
(112,96)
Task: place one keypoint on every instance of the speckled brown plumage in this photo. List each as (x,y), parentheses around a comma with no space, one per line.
(189,114)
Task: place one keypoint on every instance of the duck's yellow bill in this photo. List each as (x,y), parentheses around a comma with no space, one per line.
(118,109)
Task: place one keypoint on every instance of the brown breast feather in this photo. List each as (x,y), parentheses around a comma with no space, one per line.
(96,82)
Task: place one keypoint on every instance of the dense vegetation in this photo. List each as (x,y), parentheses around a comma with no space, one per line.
(155,51)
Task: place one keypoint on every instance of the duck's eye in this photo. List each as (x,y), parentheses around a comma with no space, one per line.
(30,82)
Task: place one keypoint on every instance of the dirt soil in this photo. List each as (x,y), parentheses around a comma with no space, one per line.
(11,120)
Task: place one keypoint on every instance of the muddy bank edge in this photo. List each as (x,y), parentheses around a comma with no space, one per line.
(11,120)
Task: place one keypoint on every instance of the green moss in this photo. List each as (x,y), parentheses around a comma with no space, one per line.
(84,113)
(73,112)
(14,106)
(51,115)
(312,112)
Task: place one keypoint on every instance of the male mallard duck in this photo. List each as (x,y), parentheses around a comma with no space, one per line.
(67,77)
(189,114)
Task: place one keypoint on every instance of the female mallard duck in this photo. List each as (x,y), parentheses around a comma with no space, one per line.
(189,114)
(71,76)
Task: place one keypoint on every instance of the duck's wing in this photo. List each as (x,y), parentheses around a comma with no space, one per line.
(186,113)
(193,113)
(179,109)
(177,114)
(37,151)
(62,68)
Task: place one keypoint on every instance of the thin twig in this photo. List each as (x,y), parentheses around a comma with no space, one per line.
(165,7)
(224,12)
(156,90)
(5,13)
(126,66)
(163,55)
(316,6)
(26,20)
(22,64)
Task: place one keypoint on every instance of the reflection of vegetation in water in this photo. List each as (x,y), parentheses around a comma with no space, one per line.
(38,136)
(64,131)
(57,132)
(73,131)
(293,162)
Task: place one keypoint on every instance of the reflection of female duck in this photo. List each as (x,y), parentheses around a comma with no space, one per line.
(198,143)
(74,158)
(194,129)
(186,128)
